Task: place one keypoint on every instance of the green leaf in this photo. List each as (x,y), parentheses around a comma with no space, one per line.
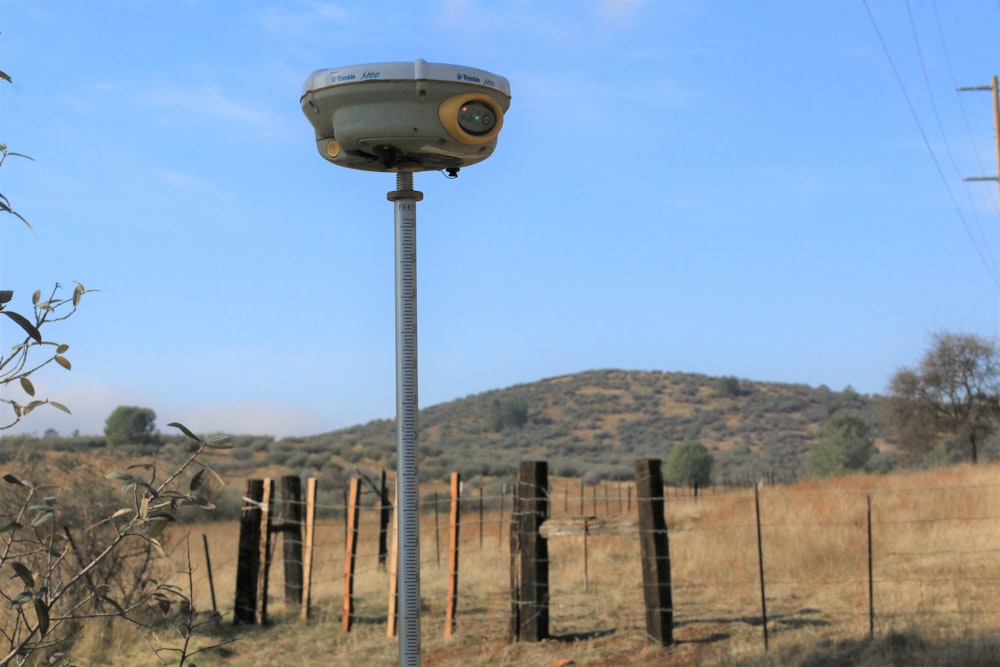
(78,292)
(22,322)
(5,296)
(42,612)
(60,406)
(23,573)
(184,429)
(64,362)
(28,388)
(62,348)
(36,297)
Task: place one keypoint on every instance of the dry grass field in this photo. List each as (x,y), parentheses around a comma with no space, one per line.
(935,565)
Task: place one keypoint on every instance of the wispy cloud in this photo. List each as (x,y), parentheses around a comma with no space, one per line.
(303,21)
(204,100)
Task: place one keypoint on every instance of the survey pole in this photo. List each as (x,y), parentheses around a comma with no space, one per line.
(405,199)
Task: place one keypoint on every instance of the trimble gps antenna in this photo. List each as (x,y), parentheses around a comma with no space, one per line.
(405,117)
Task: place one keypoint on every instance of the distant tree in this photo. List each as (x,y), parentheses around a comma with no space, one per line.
(950,400)
(131,425)
(728,386)
(690,463)
(845,444)
(511,412)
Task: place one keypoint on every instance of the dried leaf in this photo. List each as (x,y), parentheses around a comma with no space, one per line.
(10,527)
(28,388)
(42,612)
(196,480)
(62,348)
(5,296)
(10,479)
(60,406)
(36,297)
(23,573)
(64,362)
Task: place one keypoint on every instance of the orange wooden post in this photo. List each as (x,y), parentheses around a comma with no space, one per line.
(353,501)
(456,499)
(307,550)
(393,568)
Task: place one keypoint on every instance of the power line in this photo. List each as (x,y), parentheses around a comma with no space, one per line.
(923,134)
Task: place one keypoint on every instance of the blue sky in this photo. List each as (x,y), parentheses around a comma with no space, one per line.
(725,187)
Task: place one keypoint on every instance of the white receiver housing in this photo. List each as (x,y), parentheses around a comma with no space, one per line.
(403,116)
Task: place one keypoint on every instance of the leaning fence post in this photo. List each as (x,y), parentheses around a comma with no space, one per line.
(529,554)
(655,551)
(248,554)
(351,552)
(455,517)
(760,563)
(310,542)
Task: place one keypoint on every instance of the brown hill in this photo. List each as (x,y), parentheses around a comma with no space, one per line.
(596,423)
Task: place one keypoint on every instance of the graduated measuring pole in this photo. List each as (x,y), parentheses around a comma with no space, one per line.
(996,128)
(405,199)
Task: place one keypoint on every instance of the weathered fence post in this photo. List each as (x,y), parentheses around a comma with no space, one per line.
(760,564)
(437,531)
(455,518)
(290,525)
(385,511)
(655,551)
(248,555)
(211,580)
(310,542)
(529,554)
(263,573)
(351,552)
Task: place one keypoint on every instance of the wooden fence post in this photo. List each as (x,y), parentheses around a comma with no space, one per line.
(248,555)
(393,569)
(310,542)
(353,500)
(211,580)
(385,511)
(437,531)
(529,554)
(290,525)
(655,551)
(456,498)
(263,573)
(760,564)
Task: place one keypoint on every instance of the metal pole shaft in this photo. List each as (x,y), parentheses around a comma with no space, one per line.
(408,537)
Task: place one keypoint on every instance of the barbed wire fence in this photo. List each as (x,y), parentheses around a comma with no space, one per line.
(750,563)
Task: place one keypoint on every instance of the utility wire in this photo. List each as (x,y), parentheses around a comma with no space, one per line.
(927,144)
(937,117)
